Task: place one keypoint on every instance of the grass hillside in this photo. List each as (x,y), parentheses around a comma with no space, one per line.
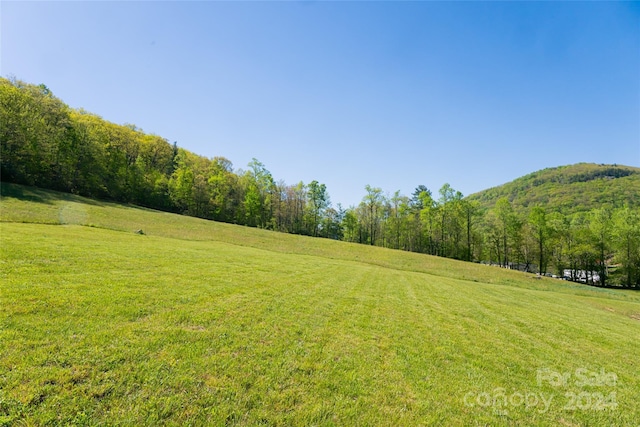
(569,189)
(203,323)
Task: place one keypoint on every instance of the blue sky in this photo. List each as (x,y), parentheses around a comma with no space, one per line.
(391,94)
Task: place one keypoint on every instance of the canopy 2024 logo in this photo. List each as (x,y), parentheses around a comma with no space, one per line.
(584,390)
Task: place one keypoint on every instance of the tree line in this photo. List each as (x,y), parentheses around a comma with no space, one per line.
(46,143)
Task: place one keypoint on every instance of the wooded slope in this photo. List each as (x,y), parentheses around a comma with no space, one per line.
(569,189)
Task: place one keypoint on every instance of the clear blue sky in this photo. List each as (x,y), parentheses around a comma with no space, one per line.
(391,94)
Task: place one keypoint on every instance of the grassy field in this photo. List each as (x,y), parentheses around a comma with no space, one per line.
(202,323)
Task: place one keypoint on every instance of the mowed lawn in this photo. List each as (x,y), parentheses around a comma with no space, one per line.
(200,323)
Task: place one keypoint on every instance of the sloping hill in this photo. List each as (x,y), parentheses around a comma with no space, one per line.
(569,189)
(203,323)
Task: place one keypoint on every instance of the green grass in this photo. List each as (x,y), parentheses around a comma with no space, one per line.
(204,323)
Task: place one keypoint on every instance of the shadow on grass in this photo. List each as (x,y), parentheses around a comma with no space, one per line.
(34,194)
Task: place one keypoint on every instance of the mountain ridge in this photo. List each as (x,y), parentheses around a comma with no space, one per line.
(569,189)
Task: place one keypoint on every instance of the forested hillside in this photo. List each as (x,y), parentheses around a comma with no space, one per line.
(569,189)
(583,219)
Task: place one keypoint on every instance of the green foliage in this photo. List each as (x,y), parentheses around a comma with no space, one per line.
(569,189)
(47,144)
(626,241)
(318,204)
(258,197)
(540,231)
(36,137)
(581,199)
(372,211)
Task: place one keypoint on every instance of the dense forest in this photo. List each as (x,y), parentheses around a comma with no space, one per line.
(566,221)
(569,189)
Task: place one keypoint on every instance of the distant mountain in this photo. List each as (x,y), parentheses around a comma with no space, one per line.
(569,189)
